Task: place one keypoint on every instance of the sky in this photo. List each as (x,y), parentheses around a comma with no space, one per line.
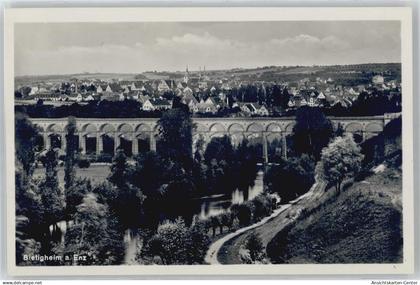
(68,48)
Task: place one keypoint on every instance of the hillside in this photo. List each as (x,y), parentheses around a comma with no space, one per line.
(341,74)
(361,225)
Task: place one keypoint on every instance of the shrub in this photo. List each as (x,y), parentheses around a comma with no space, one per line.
(175,243)
(262,207)
(290,178)
(255,247)
(226,220)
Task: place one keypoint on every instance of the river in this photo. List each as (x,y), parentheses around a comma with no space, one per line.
(217,204)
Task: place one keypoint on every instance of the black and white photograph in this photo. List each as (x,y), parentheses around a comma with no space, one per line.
(210,142)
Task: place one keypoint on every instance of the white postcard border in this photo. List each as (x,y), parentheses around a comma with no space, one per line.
(178,14)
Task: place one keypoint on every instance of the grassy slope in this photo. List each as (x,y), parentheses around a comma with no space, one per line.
(362,225)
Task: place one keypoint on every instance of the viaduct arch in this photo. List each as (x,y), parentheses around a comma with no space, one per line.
(140,134)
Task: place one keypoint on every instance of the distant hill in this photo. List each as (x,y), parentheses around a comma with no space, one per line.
(340,73)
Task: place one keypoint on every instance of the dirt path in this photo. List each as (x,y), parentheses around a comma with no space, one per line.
(226,250)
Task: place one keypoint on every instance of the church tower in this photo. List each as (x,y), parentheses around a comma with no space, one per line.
(186,75)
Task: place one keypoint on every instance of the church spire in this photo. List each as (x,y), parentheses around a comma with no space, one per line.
(186,76)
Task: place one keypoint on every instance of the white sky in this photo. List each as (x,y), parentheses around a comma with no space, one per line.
(136,47)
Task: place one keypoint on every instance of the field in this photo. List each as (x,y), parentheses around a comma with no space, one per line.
(97,173)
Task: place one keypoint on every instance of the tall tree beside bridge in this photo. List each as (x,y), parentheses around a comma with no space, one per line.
(312,131)
(175,137)
(71,150)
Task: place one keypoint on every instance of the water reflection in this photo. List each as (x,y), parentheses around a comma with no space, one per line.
(217,204)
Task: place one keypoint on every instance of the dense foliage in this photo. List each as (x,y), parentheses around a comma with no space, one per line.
(311,132)
(341,159)
(290,178)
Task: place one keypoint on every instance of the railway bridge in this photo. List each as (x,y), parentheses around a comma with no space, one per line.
(104,135)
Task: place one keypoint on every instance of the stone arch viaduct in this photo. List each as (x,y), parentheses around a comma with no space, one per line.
(141,133)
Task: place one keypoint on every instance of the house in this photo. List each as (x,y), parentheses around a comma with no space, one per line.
(321,96)
(45,96)
(157,104)
(63,97)
(193,106)
(312,102)
(110,96)
(181,85)
(253,109)
(137,86)
(102,88)
(76,97)
(263,111)
(163,86)
(34,90)
(291,103)
(127,90)
(89,97)
(189,98)
(143,98)
(134,95)
(206,106)
(244,108)
(187,91)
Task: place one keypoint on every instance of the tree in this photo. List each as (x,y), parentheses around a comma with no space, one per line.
(129,198)
(171,243)
(26,142)
(200,242)
(175,137)
(92,237)
(74,195)
(52,200)
(119,169)
(340,160)
(219,148)
(175,243)
(312,131)
(150,174)
(71,150)
(290,178)
(255,247)
(246,158)
(51,194)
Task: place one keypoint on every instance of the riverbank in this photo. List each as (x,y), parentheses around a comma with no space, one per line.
(226,250)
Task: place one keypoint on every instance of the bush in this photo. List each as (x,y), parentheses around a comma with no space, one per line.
(83,163)
(255,247)
(263,206)
(276,248)
(175,243)
(290,178)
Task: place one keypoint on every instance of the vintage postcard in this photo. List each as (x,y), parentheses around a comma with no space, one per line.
(210,141)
